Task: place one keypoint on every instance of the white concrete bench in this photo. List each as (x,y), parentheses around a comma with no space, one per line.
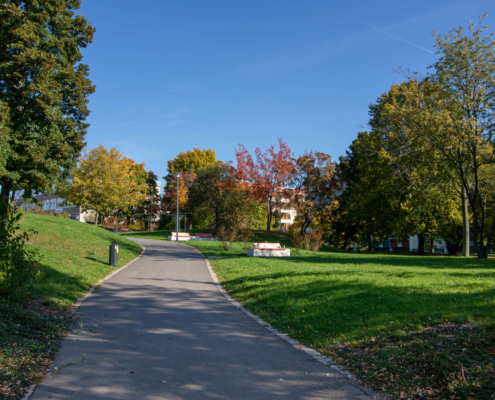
(268,250)
(181,234)
(184,236)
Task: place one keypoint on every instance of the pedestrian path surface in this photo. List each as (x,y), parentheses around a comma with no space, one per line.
(160,329)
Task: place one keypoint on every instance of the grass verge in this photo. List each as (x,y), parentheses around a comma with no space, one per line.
(74,256)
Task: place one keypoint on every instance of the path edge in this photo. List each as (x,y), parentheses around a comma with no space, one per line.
(80,301)
(313,353)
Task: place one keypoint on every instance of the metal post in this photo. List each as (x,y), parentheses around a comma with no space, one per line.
(114,254)
(177,175)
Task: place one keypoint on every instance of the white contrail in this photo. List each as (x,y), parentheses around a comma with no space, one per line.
(380,30)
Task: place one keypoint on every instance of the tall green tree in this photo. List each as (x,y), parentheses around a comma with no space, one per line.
(465,72)
(205,194)
(367,202)
(412,116)
(448,119)
(44,89)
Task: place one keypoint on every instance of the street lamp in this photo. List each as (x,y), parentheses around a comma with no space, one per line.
(177,175)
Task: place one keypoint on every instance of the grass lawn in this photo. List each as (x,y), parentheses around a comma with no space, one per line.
(411,326)
(74,258)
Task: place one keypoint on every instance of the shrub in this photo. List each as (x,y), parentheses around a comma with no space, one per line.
(311,241)
(63,215)
(315,240)
(138,226)
(18,267)
(297,241)
(307,242)
(227,237)
(246,237)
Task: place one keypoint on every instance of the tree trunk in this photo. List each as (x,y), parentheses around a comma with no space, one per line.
(432,246)
(216,219)
(370,243)
(489,241)
(421,245)
(466,242)
(269,217)
(5,193)
(304,225)
(96,219)
(453,248)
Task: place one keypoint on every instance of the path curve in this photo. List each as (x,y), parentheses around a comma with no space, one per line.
(160,329)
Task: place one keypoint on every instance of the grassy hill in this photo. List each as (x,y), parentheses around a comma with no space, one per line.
(74,256)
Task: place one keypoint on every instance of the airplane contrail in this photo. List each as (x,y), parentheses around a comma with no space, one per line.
(380,30)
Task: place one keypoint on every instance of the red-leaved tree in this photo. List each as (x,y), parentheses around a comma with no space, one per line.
(266,178)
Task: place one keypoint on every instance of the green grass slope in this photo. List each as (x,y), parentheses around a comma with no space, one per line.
(74,256)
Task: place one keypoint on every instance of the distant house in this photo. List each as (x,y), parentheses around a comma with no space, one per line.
(286,207)
(411,245)
(52,204)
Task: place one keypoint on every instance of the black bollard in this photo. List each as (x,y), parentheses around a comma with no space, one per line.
(114,254)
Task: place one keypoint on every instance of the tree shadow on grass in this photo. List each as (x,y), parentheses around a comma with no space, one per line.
(58,286)
(323,310)
(96,260)
(398,261)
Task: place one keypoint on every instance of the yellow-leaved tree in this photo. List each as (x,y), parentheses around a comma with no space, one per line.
(104,182)
(188,163)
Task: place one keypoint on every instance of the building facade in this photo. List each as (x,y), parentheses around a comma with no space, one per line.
(51,203)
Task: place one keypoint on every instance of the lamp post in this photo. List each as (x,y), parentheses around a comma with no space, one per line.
(177,175)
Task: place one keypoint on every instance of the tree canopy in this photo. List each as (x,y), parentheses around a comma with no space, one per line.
(191,161)
(44,89)
(105,182)
(267,177)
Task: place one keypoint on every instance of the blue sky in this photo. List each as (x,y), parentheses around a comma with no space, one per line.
(173,75)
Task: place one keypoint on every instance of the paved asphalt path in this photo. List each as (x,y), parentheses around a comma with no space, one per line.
(160,329)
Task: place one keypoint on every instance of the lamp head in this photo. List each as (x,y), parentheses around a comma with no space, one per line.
(177,174)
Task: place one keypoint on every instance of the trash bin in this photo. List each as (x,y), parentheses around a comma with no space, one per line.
(114,254)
